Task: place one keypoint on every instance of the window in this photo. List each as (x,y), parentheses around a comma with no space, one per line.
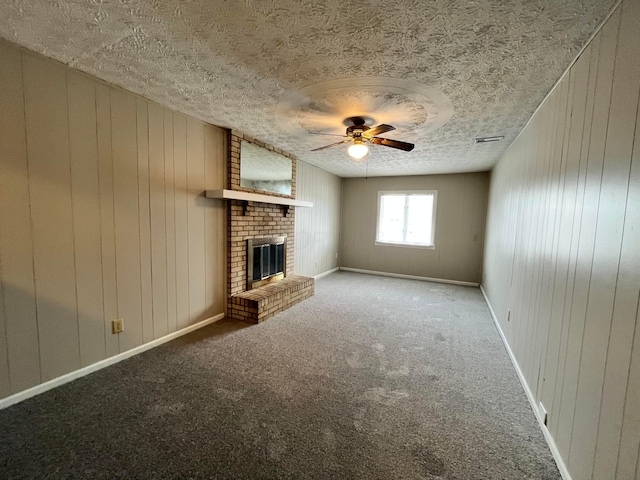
(407,218)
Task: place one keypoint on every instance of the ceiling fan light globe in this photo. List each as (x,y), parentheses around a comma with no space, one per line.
(358,150)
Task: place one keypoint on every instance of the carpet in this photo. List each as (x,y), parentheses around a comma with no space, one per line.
(372,378)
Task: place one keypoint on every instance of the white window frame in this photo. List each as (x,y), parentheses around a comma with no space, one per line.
(407,193)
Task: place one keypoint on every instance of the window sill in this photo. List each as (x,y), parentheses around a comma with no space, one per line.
(406,245)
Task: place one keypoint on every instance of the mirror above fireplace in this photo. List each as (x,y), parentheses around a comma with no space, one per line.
(264,170)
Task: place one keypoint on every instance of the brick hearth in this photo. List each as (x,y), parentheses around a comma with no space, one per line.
(264,302)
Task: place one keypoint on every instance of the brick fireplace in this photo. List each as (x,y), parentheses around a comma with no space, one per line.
(252,220)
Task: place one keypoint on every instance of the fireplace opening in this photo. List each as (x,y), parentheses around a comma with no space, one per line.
(266,260)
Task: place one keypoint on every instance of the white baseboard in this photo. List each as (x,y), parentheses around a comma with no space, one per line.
(410,277)
(43,387)
(328,272)
(547,435)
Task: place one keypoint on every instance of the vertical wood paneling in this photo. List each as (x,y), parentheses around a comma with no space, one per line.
(629,442)
(196,219)
(16,247)
(169,196)
(5,388)
(523,223)
(585,240)
(97,220)
(182,227)
(215,233)
(157,207)
(107,224)
(220,272)
(125,189)
(565,314)
(623,145)
(566,210)
(527,220)
(303,263)
(317,234)
(608,245)
(53,251)
(210,216)
(552,227)
(548,179)
(146,288)
(86,216)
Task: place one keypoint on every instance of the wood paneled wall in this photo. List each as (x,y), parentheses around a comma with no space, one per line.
(562,258)
(102,215)
(317,234)
(459,232)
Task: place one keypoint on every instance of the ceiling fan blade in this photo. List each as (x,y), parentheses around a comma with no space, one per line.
(407,147)
(332,145)
(373,131)
(329,134)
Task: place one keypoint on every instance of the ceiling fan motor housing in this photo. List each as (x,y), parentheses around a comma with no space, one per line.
(356,131)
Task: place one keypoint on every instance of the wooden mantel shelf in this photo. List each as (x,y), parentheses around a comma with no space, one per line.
(256,197)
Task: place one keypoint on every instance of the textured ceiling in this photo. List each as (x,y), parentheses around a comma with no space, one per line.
(441,71)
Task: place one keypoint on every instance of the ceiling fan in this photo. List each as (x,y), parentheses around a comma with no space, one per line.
(360,134)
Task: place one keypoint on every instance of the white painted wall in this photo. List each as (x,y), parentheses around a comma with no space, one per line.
(317,233)
(459,232)
(562,257)
(101,216)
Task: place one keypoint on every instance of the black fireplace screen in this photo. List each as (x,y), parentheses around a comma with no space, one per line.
(266,258)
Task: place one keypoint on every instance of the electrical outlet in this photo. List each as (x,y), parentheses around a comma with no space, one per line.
(117,325)
(543,414)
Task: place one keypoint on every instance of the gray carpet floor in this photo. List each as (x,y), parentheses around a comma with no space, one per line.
(373,378)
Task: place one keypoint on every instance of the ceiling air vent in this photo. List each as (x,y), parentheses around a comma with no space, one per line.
(489,139)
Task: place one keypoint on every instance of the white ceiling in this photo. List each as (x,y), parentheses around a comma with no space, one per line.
(441,71)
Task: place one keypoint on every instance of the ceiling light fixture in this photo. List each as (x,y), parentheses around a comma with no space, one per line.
(358,149)
(489,139)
